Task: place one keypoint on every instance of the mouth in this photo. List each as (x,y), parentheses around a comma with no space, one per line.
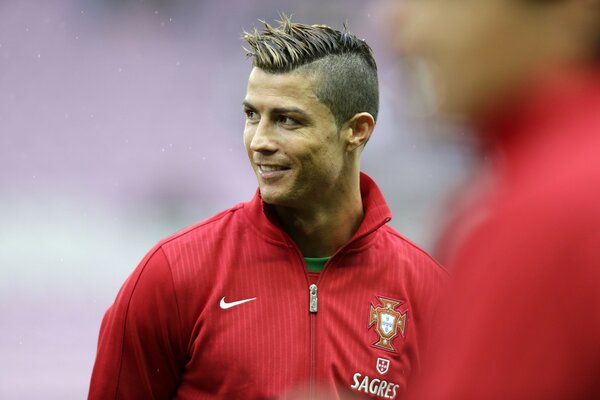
(270,171)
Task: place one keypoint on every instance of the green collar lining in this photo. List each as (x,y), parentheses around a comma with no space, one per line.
(316,264)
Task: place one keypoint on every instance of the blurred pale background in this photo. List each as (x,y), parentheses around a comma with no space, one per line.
(120,123)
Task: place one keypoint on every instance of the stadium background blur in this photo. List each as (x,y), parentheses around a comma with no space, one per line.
(121,123)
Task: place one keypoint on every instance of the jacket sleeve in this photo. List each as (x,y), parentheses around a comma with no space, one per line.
(141,353)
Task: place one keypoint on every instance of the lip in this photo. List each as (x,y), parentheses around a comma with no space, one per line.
(267,172)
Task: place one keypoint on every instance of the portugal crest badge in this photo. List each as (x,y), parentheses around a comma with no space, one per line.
(388,321)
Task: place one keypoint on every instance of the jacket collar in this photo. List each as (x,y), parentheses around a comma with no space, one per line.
(377,213)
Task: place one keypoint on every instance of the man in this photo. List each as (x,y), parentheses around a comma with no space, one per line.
(302,291)
(523,315)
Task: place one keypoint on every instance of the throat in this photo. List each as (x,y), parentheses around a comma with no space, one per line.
(322,232)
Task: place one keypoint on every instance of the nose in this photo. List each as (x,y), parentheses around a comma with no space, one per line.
(262,140)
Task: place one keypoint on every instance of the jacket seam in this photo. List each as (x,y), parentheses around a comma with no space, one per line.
(181,338)
(127,309)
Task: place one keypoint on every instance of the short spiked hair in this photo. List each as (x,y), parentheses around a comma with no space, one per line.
(344,66)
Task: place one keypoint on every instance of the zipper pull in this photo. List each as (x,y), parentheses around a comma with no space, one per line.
(313,298)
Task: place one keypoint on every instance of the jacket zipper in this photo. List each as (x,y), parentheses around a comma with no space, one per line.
(312,308)
(313,304)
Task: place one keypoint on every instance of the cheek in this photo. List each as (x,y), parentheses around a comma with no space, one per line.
(326,159)
(247,137)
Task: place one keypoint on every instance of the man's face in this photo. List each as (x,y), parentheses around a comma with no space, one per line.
(291,138)
(478,51)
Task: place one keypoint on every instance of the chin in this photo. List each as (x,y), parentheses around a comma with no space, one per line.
(270,196)
(275,197)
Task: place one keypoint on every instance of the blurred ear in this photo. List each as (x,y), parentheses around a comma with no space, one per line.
(357,131)
(579,20)
(586,16)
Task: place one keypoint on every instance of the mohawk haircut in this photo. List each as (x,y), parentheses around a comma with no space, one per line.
(343,65)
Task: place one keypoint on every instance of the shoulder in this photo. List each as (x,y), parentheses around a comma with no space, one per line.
(420,278)
(404,249)
(561,203)
(205,228)
(191,255)
(150,275)
(560,181)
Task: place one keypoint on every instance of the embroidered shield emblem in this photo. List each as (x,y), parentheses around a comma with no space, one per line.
(383,365)
(388,321)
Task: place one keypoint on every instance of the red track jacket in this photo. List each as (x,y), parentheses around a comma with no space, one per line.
(523,315)
(227,310)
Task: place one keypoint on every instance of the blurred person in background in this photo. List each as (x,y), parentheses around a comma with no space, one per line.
(522,318)
(302,291)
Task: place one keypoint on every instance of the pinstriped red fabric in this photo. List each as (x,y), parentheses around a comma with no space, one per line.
(221,311)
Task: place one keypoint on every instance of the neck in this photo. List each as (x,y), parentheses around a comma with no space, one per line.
(325,225)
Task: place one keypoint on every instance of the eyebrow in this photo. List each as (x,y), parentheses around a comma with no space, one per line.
(247,104)
(278,110)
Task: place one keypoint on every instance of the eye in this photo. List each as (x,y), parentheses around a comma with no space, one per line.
(287,121)
(251,116)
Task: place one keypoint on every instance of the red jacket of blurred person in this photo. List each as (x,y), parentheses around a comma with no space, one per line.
(223,310)
(522,320)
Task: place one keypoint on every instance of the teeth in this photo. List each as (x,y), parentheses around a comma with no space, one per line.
(270,168)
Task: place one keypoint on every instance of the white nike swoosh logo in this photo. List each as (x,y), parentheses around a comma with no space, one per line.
(224,305)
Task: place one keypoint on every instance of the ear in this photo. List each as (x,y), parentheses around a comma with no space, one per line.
(586,16)
(357,130)
(579,20)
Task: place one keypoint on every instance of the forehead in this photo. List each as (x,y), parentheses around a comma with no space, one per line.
(292,89)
